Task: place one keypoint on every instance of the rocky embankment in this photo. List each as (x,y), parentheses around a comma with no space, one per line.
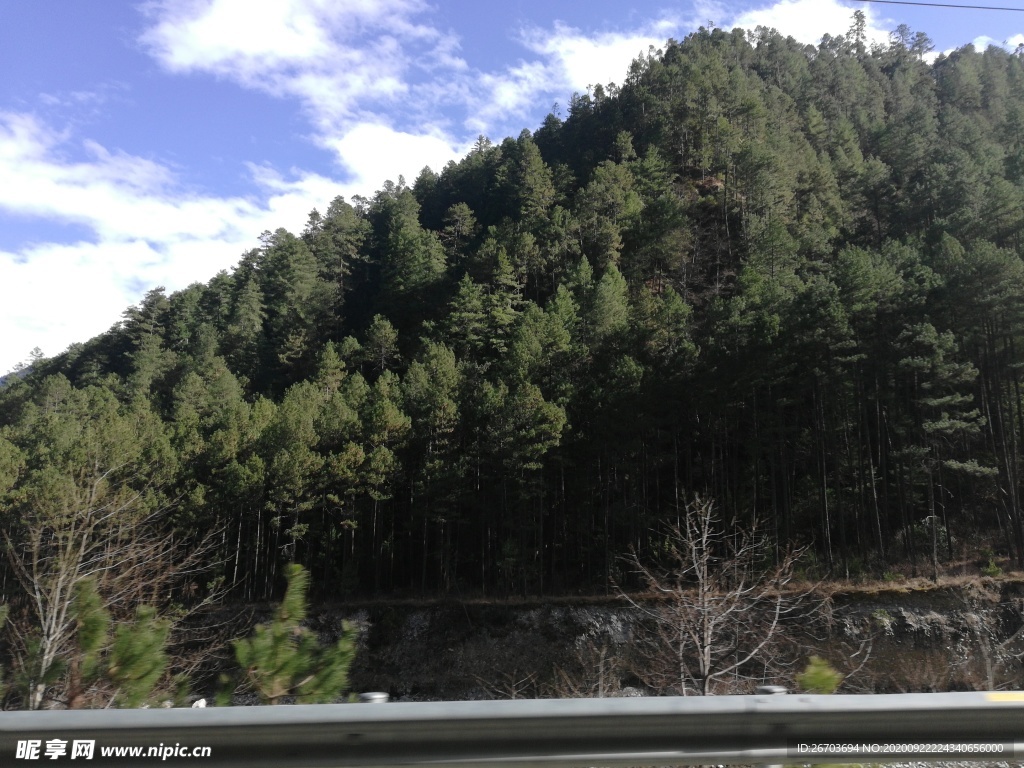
(889,639)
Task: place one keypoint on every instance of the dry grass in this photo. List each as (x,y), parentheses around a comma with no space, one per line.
(911,584)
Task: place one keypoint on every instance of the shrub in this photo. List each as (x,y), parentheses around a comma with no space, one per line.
(819,677)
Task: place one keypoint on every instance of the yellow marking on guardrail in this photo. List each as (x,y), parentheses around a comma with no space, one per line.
(1005,696)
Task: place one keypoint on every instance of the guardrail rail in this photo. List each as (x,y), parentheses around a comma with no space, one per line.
(757,729)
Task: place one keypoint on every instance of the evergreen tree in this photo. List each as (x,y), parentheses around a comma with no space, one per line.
(138,658)
(412,259)
(285,659)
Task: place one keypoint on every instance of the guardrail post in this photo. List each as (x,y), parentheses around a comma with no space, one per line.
(772,690)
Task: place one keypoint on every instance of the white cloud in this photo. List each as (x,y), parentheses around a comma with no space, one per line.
(808,20)
(351,63)
(121,197)
(580,60)
(148,231)
(337,58)
(375,153)
(347,63)
(240,39)
(230,36)
(569,61)
(498,98)
(982,42)
(53,295)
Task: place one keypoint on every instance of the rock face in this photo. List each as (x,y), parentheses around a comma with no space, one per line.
(968,637)
(484,651)
(957,638)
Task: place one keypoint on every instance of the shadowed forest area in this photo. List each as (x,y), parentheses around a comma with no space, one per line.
(787,278)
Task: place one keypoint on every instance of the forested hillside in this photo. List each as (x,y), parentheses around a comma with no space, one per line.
(785,277)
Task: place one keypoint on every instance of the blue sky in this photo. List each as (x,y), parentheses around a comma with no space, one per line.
(146,144)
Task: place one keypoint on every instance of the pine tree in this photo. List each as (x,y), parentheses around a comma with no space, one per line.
(610,312)
(138,657)
(244,335)
(285,659)
(123,669)
(460,228)
(606,208)
(381,347)
(819,677)
(93,625)
(412,259)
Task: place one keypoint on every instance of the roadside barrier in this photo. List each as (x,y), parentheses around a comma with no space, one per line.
(721,730)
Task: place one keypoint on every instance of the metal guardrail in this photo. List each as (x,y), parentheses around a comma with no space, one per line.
(570,732)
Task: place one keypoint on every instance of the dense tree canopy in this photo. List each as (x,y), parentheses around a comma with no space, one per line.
(786,277)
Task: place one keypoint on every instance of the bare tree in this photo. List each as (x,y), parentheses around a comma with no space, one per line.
(716,603)
(104,538)
(90,509)
(594,673)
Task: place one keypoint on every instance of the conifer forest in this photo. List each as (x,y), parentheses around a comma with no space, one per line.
(784,277)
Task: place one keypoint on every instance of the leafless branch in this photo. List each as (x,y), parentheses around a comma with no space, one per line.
(717,601)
